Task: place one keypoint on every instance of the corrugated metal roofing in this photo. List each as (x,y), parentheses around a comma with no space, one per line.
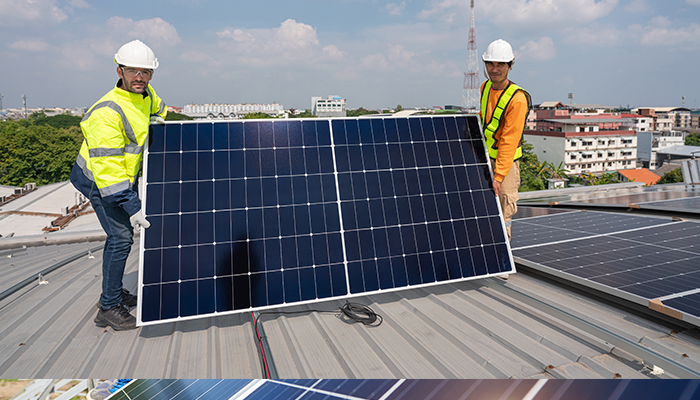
(488,328)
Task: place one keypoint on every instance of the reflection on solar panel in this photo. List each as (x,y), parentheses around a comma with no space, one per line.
(254,214)
(645,260)
(392,389)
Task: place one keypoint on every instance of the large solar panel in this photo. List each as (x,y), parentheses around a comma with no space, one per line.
(255,214)
(409,389)
(651,261)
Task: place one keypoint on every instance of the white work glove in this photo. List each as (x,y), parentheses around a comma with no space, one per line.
(157,120)
(139,220)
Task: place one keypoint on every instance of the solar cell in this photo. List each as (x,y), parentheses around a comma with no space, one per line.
(256,214)
(636,258)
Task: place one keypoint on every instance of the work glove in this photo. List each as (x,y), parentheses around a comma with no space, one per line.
(139,220)
(157,120)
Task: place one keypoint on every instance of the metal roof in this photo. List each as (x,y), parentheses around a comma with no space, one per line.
(525,327)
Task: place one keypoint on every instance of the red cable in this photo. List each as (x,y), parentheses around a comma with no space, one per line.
(262,351)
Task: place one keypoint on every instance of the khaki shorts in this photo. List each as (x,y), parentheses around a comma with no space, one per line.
(509,193)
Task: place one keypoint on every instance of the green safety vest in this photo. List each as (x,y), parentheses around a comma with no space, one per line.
(494,123)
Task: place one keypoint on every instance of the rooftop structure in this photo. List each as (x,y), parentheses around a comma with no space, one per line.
(333,106)
(639,175)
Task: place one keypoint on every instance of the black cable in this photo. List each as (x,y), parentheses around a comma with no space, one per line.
(361,313)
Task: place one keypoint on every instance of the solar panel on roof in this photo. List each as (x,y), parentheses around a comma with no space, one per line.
(256,214)
(640,259)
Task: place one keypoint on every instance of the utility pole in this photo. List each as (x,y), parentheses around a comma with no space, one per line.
(24,100)
(470,93)
(1,96)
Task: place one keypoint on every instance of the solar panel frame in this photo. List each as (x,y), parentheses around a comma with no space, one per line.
(343,189)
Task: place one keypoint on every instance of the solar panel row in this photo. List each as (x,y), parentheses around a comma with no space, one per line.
(252,214)
(637,258)
(391,389)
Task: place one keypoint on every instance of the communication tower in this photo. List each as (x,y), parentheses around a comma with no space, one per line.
(470,94)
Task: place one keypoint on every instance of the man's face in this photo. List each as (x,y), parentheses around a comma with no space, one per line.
(497,71)
(134,80)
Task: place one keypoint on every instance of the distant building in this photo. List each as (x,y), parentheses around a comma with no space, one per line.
(582,147)
(229,111)
(695,120)
(666,118)
(333,106)
(650,143)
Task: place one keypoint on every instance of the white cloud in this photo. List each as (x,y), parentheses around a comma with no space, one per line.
(693,2)
(637,6)
(596,35)
(79,3)
(661,36)
(541,50)
(375,61)
(661,22)
(295,34)
(534,13)
(442,9)
(291,41)
(155,32)
(395,8)
(331,51)
(30,45)
(36,13)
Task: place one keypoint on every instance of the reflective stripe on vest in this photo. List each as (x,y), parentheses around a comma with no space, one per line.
(494,123)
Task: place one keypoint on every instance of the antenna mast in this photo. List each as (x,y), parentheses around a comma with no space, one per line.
(470,94)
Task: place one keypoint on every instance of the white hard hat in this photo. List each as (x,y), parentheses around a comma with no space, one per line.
(499,51)
(136,54)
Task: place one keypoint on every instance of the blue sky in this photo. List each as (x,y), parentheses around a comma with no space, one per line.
(374,53)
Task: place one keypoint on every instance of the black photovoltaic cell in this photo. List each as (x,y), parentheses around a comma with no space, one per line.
(575,225)
(647,258)
(257,213)
(410,389)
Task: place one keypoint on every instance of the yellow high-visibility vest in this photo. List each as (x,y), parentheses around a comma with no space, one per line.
(115,130)
(494,123)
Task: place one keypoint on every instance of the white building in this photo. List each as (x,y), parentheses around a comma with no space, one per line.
(333,106)
(581,147)
(230,111)
(649,143)
(666,118)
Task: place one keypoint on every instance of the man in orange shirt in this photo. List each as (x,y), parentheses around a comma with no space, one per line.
(504,109)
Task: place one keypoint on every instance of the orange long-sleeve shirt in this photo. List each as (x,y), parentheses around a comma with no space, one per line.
(510,133)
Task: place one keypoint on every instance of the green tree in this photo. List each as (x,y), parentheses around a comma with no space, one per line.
(36,153)
(693,139)
(257,115)
(304,114)
(360,111)
(173,116)
(674,176)
(531,170)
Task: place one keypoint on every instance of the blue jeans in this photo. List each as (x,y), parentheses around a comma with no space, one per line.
(120,237)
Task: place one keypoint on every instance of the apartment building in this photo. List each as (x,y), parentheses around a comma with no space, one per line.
(582,147)
(230,111)
(333,106)
(666,118)
(650,143)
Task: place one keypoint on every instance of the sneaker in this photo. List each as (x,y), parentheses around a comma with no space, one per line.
(106,389)
(117,317)
(128,299)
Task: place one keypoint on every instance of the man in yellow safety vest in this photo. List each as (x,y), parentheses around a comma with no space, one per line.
(107,168)
(504,109)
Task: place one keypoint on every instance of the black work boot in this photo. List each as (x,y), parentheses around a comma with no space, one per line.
(117,317)
(128,299)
